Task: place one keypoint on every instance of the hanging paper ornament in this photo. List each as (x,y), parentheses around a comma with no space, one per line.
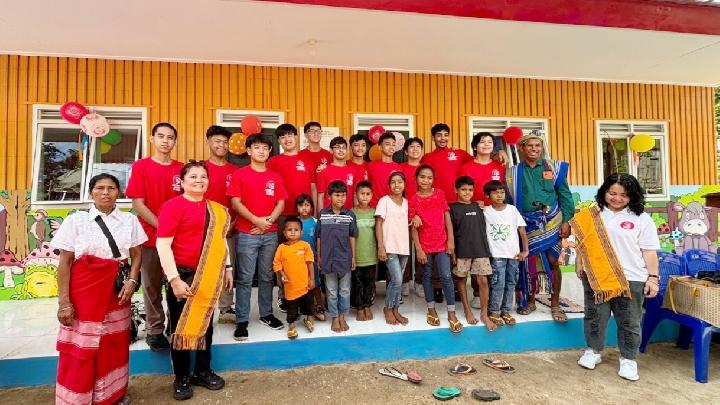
(250,125)
(236,144)
(375,132)
(399,141)
(112,138)
(104,148)
(512,135)
(642,143)
(94,125)
(375,153)
(73,112)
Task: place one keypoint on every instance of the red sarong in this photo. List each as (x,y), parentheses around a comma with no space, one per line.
(94,350)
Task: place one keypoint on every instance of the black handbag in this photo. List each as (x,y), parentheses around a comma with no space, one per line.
(124,269)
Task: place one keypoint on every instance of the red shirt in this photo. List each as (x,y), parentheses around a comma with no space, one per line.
(259,192)
(431,209)
(184,221)
(446,162)
(346,174)
(297,175)
(410,182)
(481,174)
(360,170)
(155,183)
(219,177)
(379,174)
(321,157)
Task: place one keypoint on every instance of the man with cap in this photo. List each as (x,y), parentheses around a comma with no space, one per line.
(541,193)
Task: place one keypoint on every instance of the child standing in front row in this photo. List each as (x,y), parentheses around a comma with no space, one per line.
(306,210)
(294,261)
(336,232)
(363,278)
(393,243)
(504,223)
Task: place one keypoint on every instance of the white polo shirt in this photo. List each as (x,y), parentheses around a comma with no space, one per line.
(629,235)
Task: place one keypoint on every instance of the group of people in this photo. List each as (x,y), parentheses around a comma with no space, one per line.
(320,224)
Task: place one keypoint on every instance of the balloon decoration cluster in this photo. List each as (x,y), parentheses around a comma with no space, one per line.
(249,125)
(92,125)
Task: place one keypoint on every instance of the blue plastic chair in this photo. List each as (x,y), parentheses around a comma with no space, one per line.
(690,327)
(700,260)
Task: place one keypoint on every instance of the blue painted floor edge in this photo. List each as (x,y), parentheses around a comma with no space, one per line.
(418,344)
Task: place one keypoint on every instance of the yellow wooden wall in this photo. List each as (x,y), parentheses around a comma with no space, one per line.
(187,95)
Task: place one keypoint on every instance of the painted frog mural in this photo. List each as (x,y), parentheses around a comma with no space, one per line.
(40,274)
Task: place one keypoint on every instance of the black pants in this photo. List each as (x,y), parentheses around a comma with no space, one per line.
(362,293)
(301,305)
(181,358)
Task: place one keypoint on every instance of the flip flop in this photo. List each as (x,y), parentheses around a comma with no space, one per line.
(485,395)
(414,377)
(309,325)
(456,326)
(462,369)
(292,333)
(446,393)
(500,365)
(393,372)
(558,314)
(432,320)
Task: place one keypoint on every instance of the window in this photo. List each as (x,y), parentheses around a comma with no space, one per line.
(404,124)
(270,120)
(615,156)
(62,166)
(497,126)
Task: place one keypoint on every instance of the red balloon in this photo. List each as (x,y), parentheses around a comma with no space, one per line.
(250,125)
(375,132)
(73,112)
(512,135)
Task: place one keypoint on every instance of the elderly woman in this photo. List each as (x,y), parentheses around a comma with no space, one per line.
(94,307)
(617,247)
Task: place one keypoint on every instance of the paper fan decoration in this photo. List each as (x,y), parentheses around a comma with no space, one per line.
(399,141)
(73,112)
(95,125)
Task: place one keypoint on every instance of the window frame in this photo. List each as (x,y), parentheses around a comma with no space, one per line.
(219,119)
(662,137)
(410,127)
(510,121)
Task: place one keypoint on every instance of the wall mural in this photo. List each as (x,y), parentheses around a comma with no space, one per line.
(28,264)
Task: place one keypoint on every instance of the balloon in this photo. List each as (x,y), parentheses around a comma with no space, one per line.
(512,135)
(399,141)
(642,143)
(375,132)
(104,148)
(73,112)
(95,125)
(250,125)
(112,138)
(375,153)
(236,144)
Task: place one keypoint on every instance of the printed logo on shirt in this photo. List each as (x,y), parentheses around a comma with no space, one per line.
(472,213)
(300,166)
(176,183)
(499,231)
(627,225)
(496,174)
(452,156)
(349,179)
(323,161)
(270,188)
(227,180)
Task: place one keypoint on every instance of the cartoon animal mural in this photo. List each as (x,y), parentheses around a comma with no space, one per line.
(694,226)
(40,268)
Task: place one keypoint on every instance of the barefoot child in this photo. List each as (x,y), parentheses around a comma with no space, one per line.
(503,224)
(363,278)
(306,210)
(294,261)
(432,235)
(472,253)
(393,239)
(336,232)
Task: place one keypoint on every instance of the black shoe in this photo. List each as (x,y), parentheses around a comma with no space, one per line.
(271,322)
(157,342)
(438,295)
(241,332)
(282,305)
(208,379)
(182,389)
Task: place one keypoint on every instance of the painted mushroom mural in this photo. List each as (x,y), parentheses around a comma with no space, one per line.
(40,273)
(10,266)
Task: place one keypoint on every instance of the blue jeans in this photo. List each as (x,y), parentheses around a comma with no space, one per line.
(395,266)
(502,286)
(338,293)
(442,263)
(254,251)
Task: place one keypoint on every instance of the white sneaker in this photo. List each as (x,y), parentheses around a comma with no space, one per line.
(475,303)
(419,290)
(628,369)
(590,359)
(406,289)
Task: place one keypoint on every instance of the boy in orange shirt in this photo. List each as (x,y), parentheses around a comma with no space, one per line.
(294,261)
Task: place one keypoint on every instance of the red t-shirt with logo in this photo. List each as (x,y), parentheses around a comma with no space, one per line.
(297,175)
(360,170)
(155,183)
(321,157)
(431,209)
(259,192)
(219,177)
(379,174)
(184,221)
(446,162)
(481,174)
(410,182)
(346,174)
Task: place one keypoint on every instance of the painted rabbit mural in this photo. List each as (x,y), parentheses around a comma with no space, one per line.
(694,225)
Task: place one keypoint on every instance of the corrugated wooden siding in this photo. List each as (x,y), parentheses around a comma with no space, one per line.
(187,95)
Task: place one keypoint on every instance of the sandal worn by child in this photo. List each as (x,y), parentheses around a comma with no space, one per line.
(432,320)
(292,333)
(496,319)
(309,325)
(456,326)
(319,313)
(507,318)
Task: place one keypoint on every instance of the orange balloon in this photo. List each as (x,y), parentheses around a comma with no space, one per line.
(236,144)
(375,153)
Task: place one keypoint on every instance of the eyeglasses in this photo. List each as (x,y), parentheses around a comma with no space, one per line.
(314,131)
(339,147)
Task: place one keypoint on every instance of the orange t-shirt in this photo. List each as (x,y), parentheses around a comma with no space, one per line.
(293,260)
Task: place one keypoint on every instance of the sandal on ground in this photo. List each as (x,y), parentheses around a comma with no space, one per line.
(500,365)
(456,326)
(507,318)
(292,333)
(432,320)
(485,395)
(462,369)
(394,373)
(309,325)
(558,314)
(414,377)
(496,319)
(446,393)
(530,308)
(319,313)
